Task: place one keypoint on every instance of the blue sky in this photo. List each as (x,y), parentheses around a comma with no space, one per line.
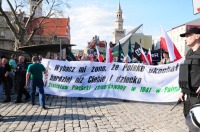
(96,17)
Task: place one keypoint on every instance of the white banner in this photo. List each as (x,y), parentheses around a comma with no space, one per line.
(131,81)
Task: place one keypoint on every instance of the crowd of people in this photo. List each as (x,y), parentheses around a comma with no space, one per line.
(18,75)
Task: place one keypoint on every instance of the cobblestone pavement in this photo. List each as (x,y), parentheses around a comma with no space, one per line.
(91,115)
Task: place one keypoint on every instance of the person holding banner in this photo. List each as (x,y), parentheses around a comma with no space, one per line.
(189,75)
(35,73)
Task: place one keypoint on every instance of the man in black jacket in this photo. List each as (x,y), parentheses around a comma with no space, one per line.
(189,75)
(21,79)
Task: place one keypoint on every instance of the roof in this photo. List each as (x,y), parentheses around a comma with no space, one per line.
(50,26)
(44,48)
(193,22)
(126,38)
(135,29)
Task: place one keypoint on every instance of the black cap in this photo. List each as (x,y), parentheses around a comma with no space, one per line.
(165,52)
(191,31)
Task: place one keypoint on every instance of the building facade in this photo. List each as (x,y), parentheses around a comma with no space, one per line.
(179,42)
(32,5)
(52,31)
(6,36)
(118,32)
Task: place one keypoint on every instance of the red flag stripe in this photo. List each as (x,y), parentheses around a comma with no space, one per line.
(167,44)
(149,57)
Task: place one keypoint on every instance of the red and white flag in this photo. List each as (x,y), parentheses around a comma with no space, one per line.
(100,58)
(167,44)
(109,55)
(196,6)
(149,57)
(144,57)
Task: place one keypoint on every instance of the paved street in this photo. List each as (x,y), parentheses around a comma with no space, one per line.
(91,115)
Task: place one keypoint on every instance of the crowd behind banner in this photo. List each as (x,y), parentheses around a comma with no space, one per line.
(134,54)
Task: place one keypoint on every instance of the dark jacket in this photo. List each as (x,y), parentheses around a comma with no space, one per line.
(189,75)
(4,70)
(21,72)
(1,74)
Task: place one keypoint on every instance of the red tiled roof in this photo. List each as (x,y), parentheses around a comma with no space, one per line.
(50,26)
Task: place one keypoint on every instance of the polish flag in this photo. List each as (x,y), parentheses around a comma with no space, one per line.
(109,55)
(196,6)
(100,58)
(167,44)
(144,57)
(149,57)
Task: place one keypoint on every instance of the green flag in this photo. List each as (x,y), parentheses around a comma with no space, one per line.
(69,55)
(130,51)
(120,54)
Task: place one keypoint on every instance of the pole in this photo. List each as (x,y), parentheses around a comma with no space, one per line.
(60,50)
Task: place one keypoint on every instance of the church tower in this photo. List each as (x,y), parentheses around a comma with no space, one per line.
(118,32)
(38,11)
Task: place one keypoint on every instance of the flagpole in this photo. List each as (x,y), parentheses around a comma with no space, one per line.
(60,50)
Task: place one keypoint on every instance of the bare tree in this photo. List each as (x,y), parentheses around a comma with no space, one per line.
(19,27)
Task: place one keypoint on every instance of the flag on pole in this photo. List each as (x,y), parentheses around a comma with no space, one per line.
(137,52)
(69,55)
(149,57)
(167,45)
(144,57)
(129,51)
(120,54)
(196,6)
(99,56)
(129,59)
(109,56)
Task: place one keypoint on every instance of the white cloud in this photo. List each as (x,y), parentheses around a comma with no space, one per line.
(88,21)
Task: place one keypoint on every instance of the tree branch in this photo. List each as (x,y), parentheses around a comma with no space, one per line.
(8,21)
(35,30)
(14,14)
(29,21)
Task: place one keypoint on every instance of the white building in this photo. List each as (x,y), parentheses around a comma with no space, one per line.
(118,32)
(175,32)
(32,5)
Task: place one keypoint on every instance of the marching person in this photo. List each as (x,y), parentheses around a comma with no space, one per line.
(13,65)
(20,74)
(1,75)
(189,75)
(35,74)
(6,80)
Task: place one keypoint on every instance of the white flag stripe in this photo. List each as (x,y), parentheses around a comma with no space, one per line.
(107,53)
(149,53)
(170,45)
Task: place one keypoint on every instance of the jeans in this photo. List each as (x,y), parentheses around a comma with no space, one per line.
(40,85)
